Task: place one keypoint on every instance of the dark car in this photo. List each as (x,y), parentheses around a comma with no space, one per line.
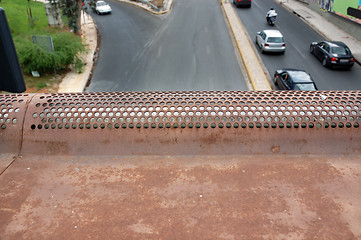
(242,3)
(293,79)
(333,54)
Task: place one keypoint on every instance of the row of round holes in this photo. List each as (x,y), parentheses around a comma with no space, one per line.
(148,102)
(194,108)
(184,114)
(197,125)
(197,94)
(8,120)
(201,119)
(4,110)
(12,101)
(198,114)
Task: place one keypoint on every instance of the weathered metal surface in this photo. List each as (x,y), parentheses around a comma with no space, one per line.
(181,165)
(12,113)
(177,123)
(200,197)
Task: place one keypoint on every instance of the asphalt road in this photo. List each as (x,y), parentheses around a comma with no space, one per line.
(187,49)
(298,36)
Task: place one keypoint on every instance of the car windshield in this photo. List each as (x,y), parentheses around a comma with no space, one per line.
(340,50)
(304,86)
(101,4)
(275,39)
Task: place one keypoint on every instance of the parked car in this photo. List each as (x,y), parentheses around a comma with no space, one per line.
(243,3)
(293,79)
(333,54)
(102,7)
(271,41)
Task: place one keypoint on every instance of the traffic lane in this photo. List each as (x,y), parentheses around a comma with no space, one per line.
(188,49)
(193,52)
(122,36)
(298,36)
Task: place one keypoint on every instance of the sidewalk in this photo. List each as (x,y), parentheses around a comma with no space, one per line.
(322,25)
(76,82)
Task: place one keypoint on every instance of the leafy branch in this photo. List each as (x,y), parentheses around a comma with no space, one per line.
(71,10)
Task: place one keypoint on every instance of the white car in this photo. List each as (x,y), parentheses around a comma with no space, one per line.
(271,41)
(102,7)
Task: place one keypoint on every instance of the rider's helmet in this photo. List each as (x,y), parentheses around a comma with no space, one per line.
(272,8)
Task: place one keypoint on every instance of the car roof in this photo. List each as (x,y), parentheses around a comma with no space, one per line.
(273,33)
(336,44)
(299,76)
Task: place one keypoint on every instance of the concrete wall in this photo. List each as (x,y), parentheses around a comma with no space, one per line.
(347,25)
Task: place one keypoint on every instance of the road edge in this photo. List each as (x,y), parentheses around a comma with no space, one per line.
(258,75)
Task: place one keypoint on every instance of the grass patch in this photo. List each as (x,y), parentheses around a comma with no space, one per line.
(47,83)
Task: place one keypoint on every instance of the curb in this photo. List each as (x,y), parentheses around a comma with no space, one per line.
(169,7)
(259,77)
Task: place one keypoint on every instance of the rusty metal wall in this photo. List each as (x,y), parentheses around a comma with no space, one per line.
(184,123)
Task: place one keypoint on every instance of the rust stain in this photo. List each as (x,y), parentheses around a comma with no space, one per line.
(275,149)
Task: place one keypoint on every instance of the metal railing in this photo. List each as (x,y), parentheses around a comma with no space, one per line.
(178,123)
(149,4)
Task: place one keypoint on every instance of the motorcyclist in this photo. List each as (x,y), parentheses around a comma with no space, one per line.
(271,13)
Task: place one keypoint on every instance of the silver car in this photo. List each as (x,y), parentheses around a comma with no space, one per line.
(102,8)
(271,41)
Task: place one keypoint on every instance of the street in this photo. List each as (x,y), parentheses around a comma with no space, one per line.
(188,49)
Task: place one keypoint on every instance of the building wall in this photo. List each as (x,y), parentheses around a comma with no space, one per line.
(349,26)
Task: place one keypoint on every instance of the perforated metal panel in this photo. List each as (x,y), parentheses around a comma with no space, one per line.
(197,109)
(192,122)
(12,112)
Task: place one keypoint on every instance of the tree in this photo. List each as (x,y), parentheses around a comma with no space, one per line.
(71,10)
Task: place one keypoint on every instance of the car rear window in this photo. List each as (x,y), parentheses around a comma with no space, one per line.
(304,86)
(300,76)
(275,40)
(340,50)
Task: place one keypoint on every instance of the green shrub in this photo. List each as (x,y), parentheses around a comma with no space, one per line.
(66,48)
(40,85)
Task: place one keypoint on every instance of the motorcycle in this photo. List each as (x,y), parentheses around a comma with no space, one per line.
(271,19)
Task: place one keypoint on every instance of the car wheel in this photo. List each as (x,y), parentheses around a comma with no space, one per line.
(324,62)
(311,49)
(97,12)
